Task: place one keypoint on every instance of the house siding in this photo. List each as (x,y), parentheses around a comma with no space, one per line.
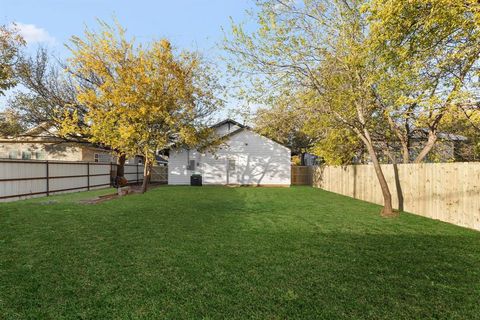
(177,167)
(258,161)
(51,151)
(88,154)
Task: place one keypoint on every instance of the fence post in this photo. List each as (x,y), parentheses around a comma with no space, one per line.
(111,174)
(88,176)
(48,178)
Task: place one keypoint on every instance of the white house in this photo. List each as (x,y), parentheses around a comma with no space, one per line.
(245,158)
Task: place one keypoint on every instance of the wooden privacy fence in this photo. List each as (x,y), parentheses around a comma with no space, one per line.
(448,192)
(301,175)
(29,178)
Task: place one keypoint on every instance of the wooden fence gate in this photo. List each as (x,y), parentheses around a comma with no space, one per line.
(302,175)
(159,174)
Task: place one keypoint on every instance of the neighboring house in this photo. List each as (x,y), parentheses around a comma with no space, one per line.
(42,143)
(244,158)
(311,159)
(448,148)
(135,160)
(161,160)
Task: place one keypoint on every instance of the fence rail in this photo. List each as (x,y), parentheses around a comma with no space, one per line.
(133,173)
(21,179)
(445,191)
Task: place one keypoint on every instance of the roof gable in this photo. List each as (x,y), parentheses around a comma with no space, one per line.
(42,130)
(245,128)
(226,122)
(225,134)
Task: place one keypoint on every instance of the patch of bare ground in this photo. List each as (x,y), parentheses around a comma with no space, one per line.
(121,192)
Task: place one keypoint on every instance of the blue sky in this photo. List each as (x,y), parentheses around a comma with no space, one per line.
(188,24)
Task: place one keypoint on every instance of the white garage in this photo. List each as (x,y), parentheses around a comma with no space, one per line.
(246,158)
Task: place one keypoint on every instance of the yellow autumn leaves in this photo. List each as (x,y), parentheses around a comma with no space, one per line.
(139,98)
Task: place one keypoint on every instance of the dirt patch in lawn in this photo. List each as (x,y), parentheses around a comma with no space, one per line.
(100,199)
(134,189)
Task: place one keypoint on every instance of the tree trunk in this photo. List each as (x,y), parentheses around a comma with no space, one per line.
(146,174)
(408,140)
(404,145)
(397,181)
(387,210)
(121,165)
(405,154)
(432,138)
(402,137)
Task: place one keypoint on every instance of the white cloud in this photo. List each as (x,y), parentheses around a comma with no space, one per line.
(33,34)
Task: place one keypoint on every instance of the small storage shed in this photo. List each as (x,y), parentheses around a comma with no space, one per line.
(245,158)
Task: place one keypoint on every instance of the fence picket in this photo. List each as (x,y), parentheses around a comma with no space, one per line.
(448,192)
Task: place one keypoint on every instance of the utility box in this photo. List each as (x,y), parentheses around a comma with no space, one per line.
(195,180)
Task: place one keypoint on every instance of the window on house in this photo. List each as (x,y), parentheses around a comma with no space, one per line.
(231,165)
(191,165)
(101,157)
(13,154)
(26,155)
(40,155)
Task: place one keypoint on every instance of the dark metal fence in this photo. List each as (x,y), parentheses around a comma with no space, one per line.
(28,178)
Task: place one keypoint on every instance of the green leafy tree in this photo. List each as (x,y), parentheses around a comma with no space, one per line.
(10,44)
(286,122)
(140,99)
(317,46)
(429,54)
(50,96)
(48,92)
(381,71)
(11,123)
(464,121)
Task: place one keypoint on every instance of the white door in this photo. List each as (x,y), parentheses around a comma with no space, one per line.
(232,176)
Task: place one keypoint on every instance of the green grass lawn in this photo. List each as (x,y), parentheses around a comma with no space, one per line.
(235,253)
